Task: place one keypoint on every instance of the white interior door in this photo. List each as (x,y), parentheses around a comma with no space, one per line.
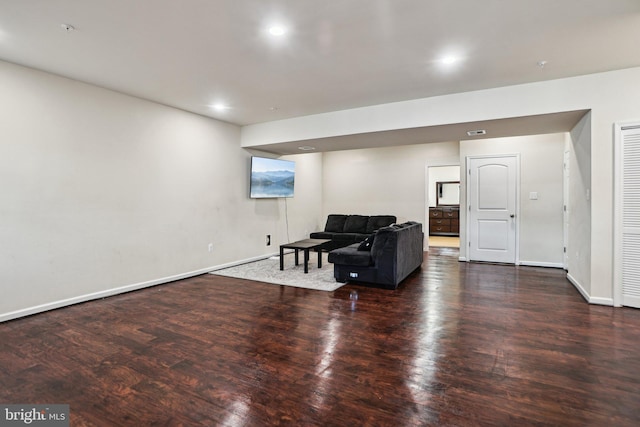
(492,203)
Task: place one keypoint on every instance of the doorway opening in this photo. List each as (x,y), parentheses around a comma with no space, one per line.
(444,242)
(443,206)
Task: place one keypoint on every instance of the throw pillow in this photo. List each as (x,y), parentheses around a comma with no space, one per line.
(367,243)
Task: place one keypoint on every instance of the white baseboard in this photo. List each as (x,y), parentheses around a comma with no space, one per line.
(578,286)
(119,290)
(542,264)
(585,294)
(462,258)
(244,261)
(601,301)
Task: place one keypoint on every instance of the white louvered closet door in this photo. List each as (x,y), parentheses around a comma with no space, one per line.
(631,216)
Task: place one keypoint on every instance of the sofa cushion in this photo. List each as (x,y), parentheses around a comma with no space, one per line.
(366,243)
(377,221)
(321,235)
(356,224)
(335,223)
(350,255)
(345,237)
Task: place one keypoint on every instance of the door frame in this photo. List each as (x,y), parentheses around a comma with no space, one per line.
(468,201)
(618,127)
(566,218)
(451,161)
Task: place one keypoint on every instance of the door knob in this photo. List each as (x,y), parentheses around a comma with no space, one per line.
(512,215)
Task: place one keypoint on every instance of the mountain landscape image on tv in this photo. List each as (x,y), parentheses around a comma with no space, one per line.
(271,177)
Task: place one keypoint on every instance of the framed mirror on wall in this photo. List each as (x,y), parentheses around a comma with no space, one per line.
(448,193)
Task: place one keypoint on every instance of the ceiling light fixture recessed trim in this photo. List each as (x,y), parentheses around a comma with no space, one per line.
(477,132)
(306,148)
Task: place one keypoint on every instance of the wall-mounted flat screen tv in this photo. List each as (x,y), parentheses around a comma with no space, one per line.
(271,178)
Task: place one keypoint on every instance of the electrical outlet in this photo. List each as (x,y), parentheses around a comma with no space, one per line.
(268,239)
(210,247)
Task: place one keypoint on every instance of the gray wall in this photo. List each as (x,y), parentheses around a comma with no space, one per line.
(392,180)
(540,221)
(103,192)
(381,181)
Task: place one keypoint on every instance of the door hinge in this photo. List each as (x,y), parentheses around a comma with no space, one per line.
(564,249)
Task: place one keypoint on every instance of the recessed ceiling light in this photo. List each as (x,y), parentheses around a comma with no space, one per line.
(220,107)
(277,30)
(448,60)
(542,63)
(306,148)
(477,132)
(67,27)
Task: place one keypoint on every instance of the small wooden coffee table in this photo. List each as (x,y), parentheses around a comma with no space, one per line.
(306,245)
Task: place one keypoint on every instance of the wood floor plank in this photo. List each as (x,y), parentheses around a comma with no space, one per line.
(456,344)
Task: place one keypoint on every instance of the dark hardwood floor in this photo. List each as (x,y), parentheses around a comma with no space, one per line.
(457,344)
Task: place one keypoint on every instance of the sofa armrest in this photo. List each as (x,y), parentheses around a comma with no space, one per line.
(350,255)
(397,252)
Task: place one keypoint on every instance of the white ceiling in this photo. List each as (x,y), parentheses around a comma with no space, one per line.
(336,55)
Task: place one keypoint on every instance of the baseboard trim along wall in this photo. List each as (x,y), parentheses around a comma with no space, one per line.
(601,301)
(578,286)
(585,294)
(542,264)
(526,263)
(119,290)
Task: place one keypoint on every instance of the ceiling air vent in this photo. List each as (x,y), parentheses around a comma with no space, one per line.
(477,132)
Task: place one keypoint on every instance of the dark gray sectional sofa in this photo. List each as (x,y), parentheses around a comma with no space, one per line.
(344,230)
(394,253)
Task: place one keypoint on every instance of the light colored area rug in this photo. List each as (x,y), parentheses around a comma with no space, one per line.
(268,270)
